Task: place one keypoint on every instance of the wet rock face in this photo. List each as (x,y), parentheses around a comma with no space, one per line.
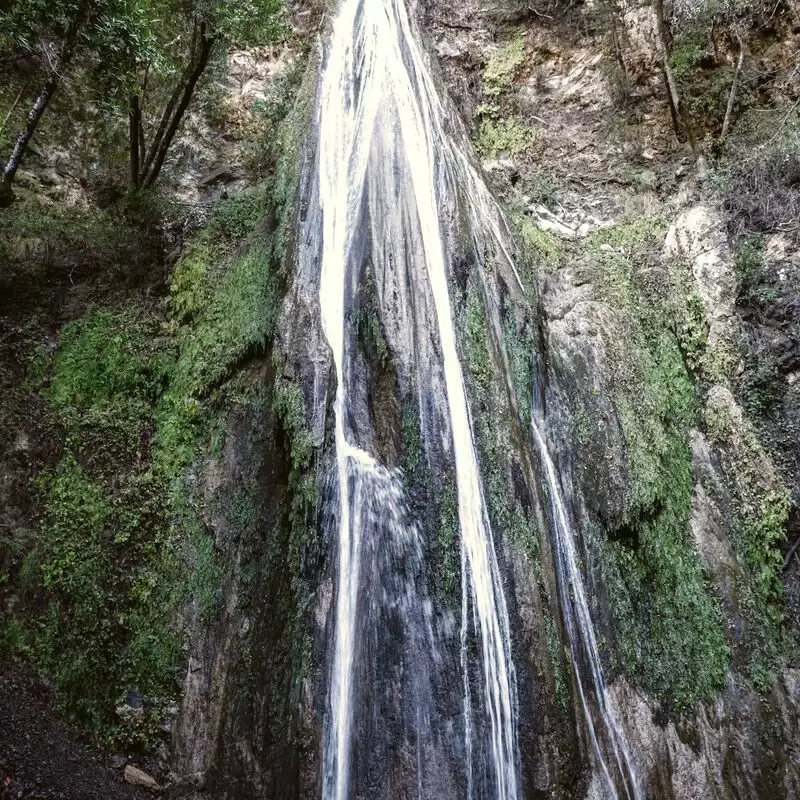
(246,722)
(251,720)
(581,333)
(732,747)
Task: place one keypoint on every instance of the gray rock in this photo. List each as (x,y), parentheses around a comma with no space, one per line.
(227,173)
(138,777)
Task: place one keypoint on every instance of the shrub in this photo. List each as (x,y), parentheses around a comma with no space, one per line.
(758,173)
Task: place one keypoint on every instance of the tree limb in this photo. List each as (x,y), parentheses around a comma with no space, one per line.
(49,87)
(678,111)
(732,97)
(190,81)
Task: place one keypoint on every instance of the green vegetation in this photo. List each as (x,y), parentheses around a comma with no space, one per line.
(669,629)
(668,626)
(476,345)
(518,340)
(497,129)
(504,65)
(704,86)
(541,246)
(125,66)
(290,408)
(675,641)
(139,393)
(618,252)
(495,135)
(101,571)
(762,510)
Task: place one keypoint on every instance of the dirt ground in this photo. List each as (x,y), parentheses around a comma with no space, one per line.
(39,757)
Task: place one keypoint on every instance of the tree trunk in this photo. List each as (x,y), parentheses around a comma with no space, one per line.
(617,44)
(149,154)
(680,116)
(134,126)
(169,123)
(726,124)
(13,106)
(40,104)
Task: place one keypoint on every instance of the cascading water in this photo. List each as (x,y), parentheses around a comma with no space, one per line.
(385,163)
(608,744)
(388,174)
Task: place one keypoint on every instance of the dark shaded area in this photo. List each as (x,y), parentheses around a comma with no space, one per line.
(39,756)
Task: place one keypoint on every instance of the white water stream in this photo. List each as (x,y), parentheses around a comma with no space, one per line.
(387,171)
(583,643)
(379,113)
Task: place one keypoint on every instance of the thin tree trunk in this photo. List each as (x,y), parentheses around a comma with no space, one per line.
(13,106)
(679,114)
(134,127)
(191,78)
(162,128)
(734,85)
(149,154)
(140,132)
(617,43)
(40,104)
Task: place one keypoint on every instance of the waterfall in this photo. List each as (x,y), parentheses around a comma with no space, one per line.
(389,179)
(385,165)
(608,742)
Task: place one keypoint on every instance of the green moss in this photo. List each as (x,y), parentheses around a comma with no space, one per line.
(495,135)
(555,653)
(504,64)
(619,252)
(412,442)
(14,638)
(691,329)
(287,149)
(105,623)
(763,533)
(670,631)
(105,356)
(121,547)
(762,503)
(537,250)
(289,406)
(542,247)
(448,542)
(719,361)
(497,128)
(518,340)
(761,506)
(206,573)
(668,626)
(142,394)
(678,629)
(475,341)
